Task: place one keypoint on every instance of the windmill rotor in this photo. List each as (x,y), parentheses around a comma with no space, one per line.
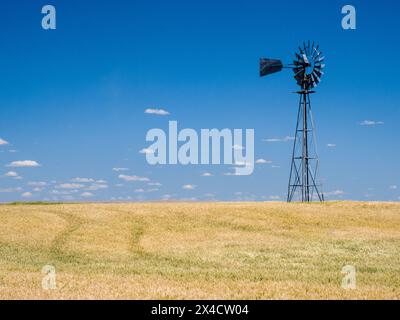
(307,66)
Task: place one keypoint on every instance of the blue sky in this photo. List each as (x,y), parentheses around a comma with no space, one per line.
(73,99)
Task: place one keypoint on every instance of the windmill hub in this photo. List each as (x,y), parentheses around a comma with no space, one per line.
(307,67)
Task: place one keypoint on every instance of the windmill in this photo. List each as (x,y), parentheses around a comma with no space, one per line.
(307,68)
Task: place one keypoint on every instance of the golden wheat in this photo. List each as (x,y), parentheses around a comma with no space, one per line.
(200,250)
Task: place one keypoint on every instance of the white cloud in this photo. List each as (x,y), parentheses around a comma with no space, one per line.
(371,123)
(155,184)
(334,193)
(96,186)
(82,180)
(57,192)
(285,139)
(87,194)
(37,183)
(263,161)
(147,151)
(24,163)
(133,178)
(206,174)
(189,187)
(139,190)
(11,174)
(331,145)
(70,186)
(3,142)
(158,112)
(393,187)
(120,169)
(26,195)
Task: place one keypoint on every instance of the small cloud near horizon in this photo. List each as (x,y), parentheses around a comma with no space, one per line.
(284,139)
(70,186)
(87,194)
(11,174)
(334,193)
(263,161)
(158,112)
(23,163)
(189,187)
(146,151)
(371,123)
(26,195)
(206,174)
(82,180)
(133,178)
(120,169)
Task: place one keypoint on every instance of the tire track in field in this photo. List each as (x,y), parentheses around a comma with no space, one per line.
(137,230)
(74,222)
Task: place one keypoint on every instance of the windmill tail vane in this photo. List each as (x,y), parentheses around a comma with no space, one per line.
(308,68)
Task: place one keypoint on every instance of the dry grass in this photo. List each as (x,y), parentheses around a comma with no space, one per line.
(200,250)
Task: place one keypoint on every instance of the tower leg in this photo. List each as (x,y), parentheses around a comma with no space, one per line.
(304,164)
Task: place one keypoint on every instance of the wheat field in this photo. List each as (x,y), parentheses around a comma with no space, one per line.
(200,250)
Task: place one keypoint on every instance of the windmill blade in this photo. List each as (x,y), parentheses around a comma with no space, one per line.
(316,78)
(313,84)
(269,66)
(316,52)
(318,69)
(320,59)
(318,73)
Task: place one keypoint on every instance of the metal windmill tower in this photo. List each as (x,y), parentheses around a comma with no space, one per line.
(307,68)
